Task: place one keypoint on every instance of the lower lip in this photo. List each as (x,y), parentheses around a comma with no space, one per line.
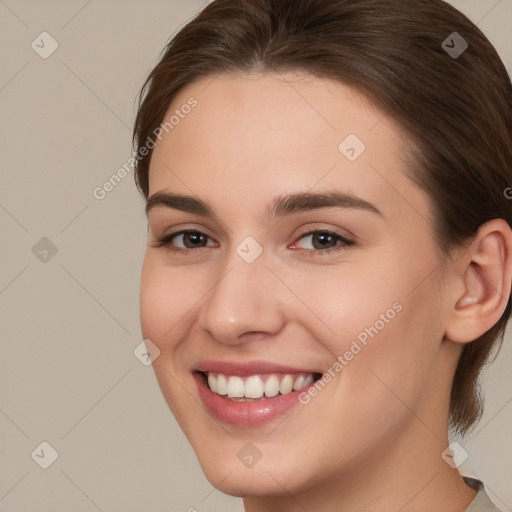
(251,413)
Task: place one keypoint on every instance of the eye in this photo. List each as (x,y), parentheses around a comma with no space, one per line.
(184,241)
(321,242)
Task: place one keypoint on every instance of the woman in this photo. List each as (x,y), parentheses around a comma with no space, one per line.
(329,258)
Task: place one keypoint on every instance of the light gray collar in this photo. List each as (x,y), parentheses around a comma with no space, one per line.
(482,502)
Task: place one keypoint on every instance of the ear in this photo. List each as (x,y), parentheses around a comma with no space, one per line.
(484,272)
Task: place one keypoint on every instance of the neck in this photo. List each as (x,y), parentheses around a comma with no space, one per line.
(407,475)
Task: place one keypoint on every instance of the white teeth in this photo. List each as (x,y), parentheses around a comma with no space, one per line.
(256,387)
(212,382)
(253,387)
(308,380)
(299,383)
(286,385)
(222,385)
(236,388)
(272,386)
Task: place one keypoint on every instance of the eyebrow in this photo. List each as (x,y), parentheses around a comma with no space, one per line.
(281,206)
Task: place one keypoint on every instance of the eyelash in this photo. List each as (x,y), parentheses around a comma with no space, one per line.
(345,242)
(166,240)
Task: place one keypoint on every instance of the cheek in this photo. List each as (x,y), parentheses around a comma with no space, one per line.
(168,297)
(167,300)
(393,373)
(340,305)
(383,337)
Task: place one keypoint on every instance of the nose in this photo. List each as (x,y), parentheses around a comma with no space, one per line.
(244,303)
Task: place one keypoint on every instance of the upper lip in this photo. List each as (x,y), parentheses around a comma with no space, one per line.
(244,369)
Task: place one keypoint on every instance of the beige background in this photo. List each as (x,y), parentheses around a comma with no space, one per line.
(69,325)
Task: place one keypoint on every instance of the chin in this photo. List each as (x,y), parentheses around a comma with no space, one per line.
(245,482)
(273,474)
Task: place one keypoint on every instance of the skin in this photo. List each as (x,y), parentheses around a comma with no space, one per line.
(372,438)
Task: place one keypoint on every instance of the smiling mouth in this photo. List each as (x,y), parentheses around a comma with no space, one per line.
(256,387)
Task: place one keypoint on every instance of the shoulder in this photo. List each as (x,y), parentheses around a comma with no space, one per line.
(482,502)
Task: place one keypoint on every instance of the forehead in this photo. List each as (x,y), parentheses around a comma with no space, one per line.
(271,134)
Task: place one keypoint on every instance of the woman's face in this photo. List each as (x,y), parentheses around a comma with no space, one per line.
(298,251)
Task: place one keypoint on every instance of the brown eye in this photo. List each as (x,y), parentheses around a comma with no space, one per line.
(184,241)
(321,242)
(324,240)
(194,239)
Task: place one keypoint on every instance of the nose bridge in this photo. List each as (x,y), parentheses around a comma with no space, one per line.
(243,299)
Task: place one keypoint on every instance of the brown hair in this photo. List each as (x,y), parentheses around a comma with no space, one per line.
(456,109)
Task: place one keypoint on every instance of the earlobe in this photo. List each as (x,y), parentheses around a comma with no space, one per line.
(486,273)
